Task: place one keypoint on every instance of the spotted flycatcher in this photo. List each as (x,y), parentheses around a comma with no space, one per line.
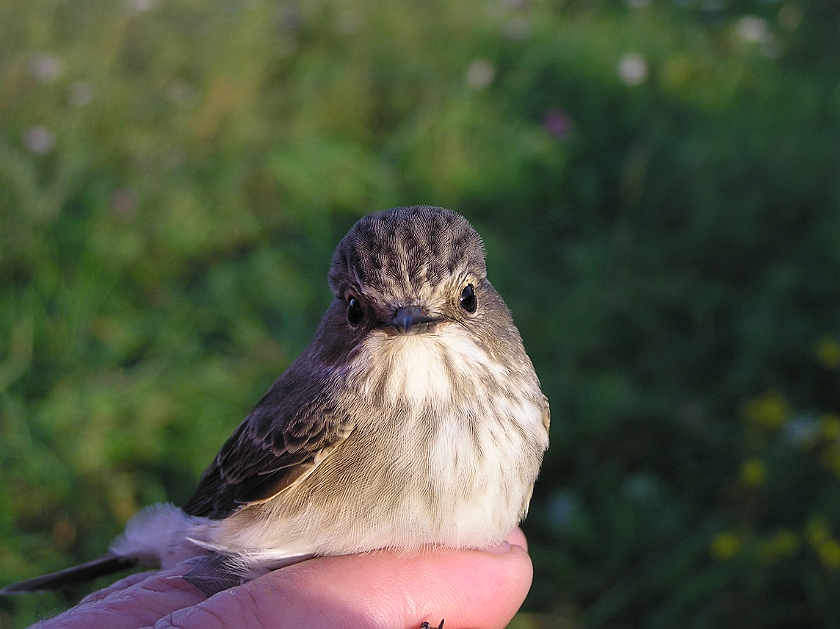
(413,418)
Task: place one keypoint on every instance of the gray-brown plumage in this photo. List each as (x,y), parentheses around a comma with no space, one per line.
(414,417)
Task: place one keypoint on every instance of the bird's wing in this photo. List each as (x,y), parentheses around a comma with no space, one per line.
(291,430)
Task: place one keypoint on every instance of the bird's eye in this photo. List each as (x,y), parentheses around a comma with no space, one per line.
(467,299)
(355,312)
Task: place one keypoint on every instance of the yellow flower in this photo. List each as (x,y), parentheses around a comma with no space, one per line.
(830,426)
(725,545)
(829,552)
(817,532)
(828,352)
(770,410)
(831,458)
(753,472)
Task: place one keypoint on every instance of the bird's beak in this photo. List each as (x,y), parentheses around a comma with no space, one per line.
(410,320)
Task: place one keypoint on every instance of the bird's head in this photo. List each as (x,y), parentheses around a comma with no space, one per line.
(414,317)
(409,270)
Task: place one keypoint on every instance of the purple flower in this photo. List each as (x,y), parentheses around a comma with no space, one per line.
(557,123)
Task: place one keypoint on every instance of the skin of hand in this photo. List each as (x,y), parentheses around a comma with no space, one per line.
(481,589)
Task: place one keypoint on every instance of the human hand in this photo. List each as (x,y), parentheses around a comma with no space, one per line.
(382,589)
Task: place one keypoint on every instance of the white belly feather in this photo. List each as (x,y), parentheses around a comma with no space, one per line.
(466,485)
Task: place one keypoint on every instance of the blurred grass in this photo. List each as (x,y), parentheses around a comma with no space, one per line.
(657,184)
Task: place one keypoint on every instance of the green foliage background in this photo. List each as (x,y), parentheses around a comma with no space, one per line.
(174,175)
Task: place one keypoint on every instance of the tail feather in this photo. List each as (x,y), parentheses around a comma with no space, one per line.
(74,575)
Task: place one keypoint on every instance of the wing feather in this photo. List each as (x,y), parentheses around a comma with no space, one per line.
(290,431)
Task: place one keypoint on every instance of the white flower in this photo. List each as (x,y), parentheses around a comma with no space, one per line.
(633,69)
(38,139)
(480,74)
(45,67)
(753,29)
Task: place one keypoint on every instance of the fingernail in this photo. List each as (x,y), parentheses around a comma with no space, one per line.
(504,547)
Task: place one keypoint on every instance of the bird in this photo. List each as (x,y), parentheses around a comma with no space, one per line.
(413,418)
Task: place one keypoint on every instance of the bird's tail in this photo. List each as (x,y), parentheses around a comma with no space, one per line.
(74,575)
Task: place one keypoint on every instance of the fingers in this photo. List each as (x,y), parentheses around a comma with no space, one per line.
(467,588)
(517,538)
(140,600)
(116,586)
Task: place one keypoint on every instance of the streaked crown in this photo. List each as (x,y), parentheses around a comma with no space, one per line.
(406,250)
